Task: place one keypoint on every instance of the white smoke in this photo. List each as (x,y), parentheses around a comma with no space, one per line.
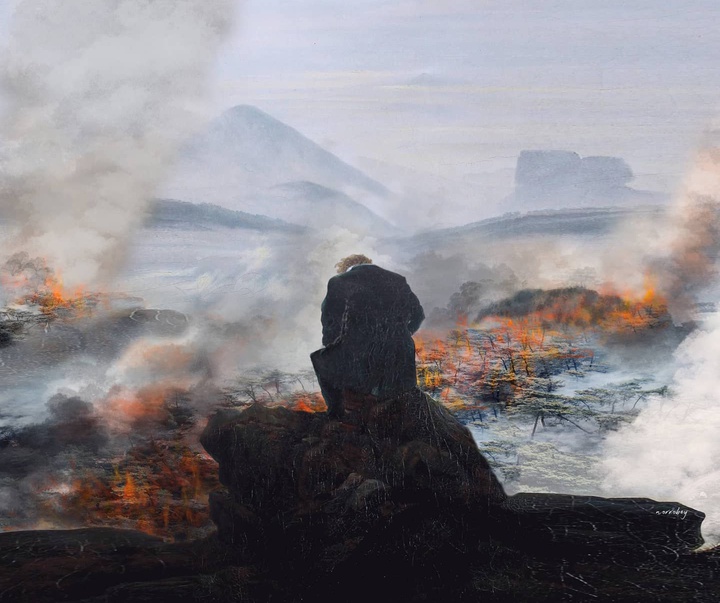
(97,95)
(283,314)
(672,450)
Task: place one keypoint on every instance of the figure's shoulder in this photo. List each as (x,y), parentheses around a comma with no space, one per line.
(371,271)
(335,282)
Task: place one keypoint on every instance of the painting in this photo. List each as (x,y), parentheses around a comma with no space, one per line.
(494,226)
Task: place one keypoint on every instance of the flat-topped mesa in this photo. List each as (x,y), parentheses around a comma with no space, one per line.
(369,484)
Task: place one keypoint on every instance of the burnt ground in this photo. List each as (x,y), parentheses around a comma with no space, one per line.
(99,565)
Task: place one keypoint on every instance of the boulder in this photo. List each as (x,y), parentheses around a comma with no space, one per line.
(394,480)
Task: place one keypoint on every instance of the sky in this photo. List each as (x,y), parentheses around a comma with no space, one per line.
(458,88)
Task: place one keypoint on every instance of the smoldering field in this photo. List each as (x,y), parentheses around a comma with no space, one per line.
(96,99)
(105,399)
(95,378)
(205,317)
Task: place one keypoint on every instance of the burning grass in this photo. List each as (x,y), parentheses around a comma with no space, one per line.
(160,487)
(515,350)
(36,285)
(132,461)
(508,372)
(159,484)
(577,308)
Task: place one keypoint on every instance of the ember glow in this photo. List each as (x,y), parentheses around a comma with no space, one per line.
(127,456)
(160,488)
(308,403)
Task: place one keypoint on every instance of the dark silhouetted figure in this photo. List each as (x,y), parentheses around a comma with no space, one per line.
(368,316)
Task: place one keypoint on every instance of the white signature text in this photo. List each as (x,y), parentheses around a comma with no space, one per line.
(674,511)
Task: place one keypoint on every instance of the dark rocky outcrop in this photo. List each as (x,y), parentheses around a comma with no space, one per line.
(397,493)
(392,481)
(392,503)
(573,526)
(106,565)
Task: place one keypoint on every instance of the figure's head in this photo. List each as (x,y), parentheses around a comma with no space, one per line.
(352,260)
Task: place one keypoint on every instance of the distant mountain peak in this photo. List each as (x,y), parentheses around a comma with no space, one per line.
(245,149)
(249,116)
(248,110)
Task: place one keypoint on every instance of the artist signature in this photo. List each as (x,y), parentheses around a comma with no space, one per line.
(682,513)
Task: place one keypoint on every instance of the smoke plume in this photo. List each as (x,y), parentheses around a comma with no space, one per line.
(278,325)
(97,96)
(671,451)
(693,257)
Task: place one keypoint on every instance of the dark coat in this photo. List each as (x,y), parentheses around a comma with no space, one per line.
(368,316)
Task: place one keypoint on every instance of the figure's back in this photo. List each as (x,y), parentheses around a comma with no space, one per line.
(368,317)
(369,301)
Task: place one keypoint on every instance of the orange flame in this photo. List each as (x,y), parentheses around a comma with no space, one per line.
(129,489)
(38,285)
(309,403)
(53,296)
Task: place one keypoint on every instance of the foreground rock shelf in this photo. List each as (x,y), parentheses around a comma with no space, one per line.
(99,565)
(590,525)
(392,503)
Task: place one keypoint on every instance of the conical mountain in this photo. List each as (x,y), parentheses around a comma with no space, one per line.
(245,150)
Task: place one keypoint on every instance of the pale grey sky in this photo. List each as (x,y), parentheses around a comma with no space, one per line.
(634,78)
(457,88)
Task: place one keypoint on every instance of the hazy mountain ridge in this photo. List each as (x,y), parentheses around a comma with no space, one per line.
(247,160)
(313,205)
(171,213)
(560,222)
(254,148)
